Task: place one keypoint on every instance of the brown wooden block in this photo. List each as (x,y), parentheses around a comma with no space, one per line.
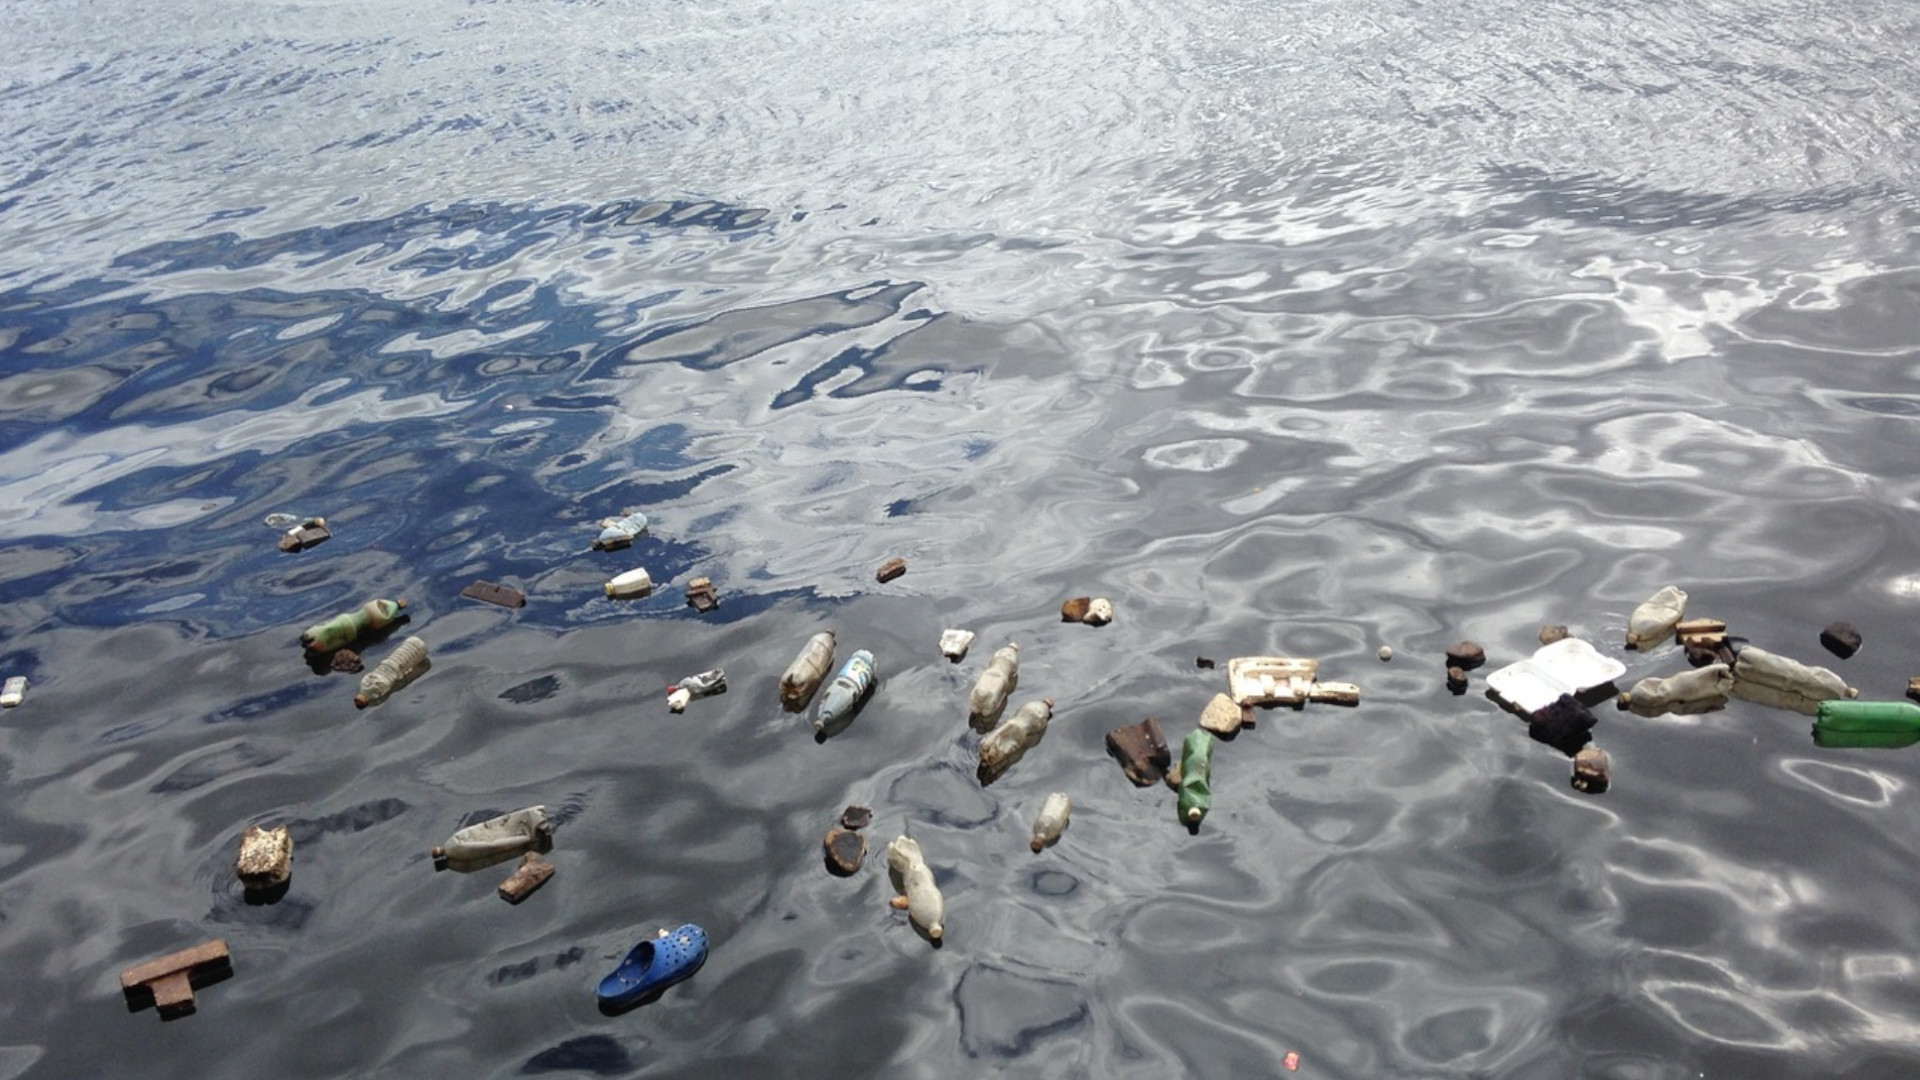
(489,593)
(701,595)
(169,981)
(302,537)
(889,570)
(532,873)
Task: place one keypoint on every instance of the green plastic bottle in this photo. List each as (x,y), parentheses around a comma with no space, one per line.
(1196,776)
(340,630)
(1845,723)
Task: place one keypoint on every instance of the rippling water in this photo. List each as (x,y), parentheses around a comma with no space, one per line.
(1291,327)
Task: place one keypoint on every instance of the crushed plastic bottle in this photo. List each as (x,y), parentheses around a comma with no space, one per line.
(989,697)
(1009,742)
(497,839)
(634,583)
(14,692)
(908,869)
(1699,690)
(705,684)
(848,690)
(1196,777)
(1767,679)
(1052,821)
(678,699)
(401,667)
(619,532)
(1655,618)
(342,629)
(807,671)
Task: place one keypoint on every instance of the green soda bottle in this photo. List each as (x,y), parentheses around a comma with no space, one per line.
(339,631)
(1845,723)
(1196,776)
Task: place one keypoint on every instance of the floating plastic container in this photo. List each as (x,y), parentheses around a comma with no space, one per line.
(1701,690)
(1768,679)
(1569,666)
(1270,680)
(1653,621)
(908,869)
(653,965)
(631,585)
(1051,821)
(807,671)
(619,532)
(989,697)
(1196,777)
(1010,741)
(498,838)
(954,644)
(14,692)
(342,629)
(849,689)
(1841,722)
(401,667)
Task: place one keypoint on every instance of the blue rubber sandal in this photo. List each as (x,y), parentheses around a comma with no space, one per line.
(654,965)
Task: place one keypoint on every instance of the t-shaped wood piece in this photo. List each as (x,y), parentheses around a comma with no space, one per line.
(170,980)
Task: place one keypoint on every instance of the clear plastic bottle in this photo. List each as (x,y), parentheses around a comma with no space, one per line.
(400,667)
(1655,618)
(342,629)
(807,671)
(849,688)
(498,838)
(989,697)
(1008,743)
(908,868)
(1052,821)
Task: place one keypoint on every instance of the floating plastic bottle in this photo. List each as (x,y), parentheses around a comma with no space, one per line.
(1008,743)
(632,584)
(498,838)
(1700,690)
(1767,679)
(908,868)
(849,688)
(1052,821)
(342,629)
(1196,776)
(807,671)
(618,532)
(400,667)
(1841,723)
(679,698)
(989,697)
(705,684)
(1655,618)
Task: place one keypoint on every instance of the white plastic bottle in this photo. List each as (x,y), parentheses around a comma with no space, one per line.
(989,695)
(1008,743)
(908,868)
(633,583)
(1052,821)
(1655,618)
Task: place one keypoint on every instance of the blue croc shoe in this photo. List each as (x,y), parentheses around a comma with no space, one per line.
(654,965)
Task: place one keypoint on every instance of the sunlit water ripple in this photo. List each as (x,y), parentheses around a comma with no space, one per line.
(1297,328)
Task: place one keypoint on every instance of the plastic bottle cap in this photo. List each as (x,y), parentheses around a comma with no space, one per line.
(1194,815)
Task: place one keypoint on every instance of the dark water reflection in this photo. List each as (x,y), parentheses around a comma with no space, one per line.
(1289,329)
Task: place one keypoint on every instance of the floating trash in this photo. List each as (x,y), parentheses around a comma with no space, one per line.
(807,672)
(1565,724)
(1765,678)
(1099,612)
(701,595)
(266,858)
(1466,655)
(401,667)
(954,644)
(655,964)
(14,691)
(1196,777)
(168,982)
(633,584)
(890,569)
(914,881)
(1006,744)
(304,535)
(1051,821)
(1223,716)
(990,691)
(620,532)
(1142,751)
(1700,690)
(843,698)
(1569,666)
(344,628)
(1841,639)
(1655,618)
(489,593)
(1075,610)
(532,873)
(1592,770)
(497,839)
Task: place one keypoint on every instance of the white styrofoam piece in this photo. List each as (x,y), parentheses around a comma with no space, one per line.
(1568,666)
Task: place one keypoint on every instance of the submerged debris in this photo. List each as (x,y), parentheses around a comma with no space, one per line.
(1466,655)
(1564,725)
(1142,751)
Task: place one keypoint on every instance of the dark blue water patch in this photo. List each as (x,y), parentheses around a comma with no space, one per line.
(221,763)
(600,1055)
(526,693)
(353,819)
(508,974)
